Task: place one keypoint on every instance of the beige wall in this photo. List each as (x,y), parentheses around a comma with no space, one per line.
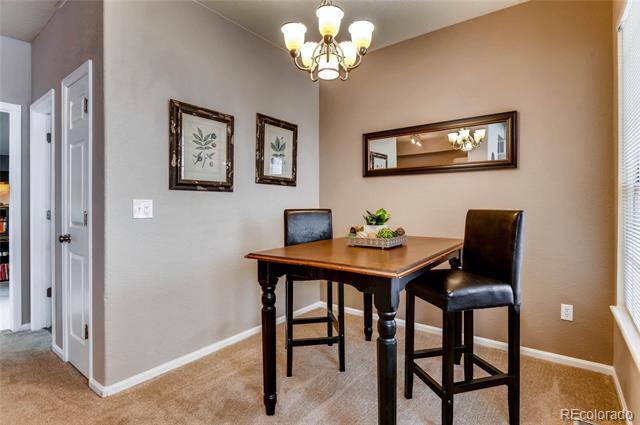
(179,282)
(627,370)
(71,37)
(551,61)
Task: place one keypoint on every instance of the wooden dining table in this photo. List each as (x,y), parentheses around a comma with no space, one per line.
(383,273)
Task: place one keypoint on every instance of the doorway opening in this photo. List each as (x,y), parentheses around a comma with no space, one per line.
(10,218)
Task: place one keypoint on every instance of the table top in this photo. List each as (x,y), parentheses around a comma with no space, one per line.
(335,254)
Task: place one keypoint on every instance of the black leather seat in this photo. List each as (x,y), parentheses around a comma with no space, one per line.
(310,225)
(456,290)
(488,277)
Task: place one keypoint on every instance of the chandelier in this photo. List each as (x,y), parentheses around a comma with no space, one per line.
(464,141)
(328,59)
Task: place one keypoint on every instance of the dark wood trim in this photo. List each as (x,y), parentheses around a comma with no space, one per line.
(510,162)
(261,120)
(176,182)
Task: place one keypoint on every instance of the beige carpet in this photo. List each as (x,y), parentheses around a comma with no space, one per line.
(226,388)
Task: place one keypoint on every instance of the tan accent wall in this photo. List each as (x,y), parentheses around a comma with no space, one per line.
(551,61)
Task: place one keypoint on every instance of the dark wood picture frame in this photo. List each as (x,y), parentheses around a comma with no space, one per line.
(377,155)
(176,182)
(511,160)
(261,177)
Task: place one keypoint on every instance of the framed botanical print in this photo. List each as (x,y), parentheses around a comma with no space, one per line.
(200,148)
(276,151)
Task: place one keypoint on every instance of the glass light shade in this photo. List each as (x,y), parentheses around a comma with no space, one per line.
(329,17)
(361,34)
(328,69)
(293,35)
(478,135)
(466,146)
(306,53)
(464,133)
(452,137)
(350,53)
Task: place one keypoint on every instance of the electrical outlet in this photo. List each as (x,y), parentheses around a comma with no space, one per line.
(566,312)
(142,208)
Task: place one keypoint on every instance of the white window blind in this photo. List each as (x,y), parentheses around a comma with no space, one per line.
(630,160)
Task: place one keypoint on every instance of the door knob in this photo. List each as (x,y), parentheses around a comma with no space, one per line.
(64,238)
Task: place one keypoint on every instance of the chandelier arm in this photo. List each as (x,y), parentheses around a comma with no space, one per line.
(300,66)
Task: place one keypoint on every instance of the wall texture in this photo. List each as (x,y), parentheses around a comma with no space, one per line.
(551,61)
(15,87)
(70,38)
(179,282)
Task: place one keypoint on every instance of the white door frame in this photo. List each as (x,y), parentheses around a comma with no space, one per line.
(84,69)
(15,217)
(38,112)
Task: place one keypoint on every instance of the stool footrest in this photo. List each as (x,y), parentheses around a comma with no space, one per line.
(427,379)
(307,320)
(486,366)
(480,383)
(433,352)
(315,341)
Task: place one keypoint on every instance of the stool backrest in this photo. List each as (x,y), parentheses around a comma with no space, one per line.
(493,246)
(307,225)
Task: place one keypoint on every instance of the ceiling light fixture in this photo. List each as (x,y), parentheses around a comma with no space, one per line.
(328,59)
(464,141)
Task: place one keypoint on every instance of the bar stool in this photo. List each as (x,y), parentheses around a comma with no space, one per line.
(302,226)
(489,277)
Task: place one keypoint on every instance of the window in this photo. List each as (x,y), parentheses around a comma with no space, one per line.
(629,88)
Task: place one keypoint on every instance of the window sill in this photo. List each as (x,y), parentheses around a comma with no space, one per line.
(629,332)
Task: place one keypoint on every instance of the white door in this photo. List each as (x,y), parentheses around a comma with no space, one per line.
(40,190)
(76,144)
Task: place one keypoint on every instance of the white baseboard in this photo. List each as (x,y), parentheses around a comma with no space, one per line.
(107,390)
(623,403)
(24,327)
(58,351)
(526,351)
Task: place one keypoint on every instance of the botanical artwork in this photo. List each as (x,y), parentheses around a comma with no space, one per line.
(201,148)
(276,151)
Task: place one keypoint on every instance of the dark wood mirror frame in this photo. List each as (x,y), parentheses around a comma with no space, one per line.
(511,161)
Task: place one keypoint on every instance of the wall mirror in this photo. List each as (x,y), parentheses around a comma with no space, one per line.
(480,143)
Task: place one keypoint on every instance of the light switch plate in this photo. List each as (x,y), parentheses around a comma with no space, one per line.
(566,312)
(142,208)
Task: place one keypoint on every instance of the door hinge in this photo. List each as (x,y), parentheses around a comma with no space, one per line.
(86,331)
(85,104)
(48,214)
(48,137)
(86,218)
(49,292)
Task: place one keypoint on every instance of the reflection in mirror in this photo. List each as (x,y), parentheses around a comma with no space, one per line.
(447,147)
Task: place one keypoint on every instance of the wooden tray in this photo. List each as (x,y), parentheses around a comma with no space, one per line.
(376,242)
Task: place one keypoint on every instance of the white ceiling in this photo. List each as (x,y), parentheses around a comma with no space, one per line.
(24,19)
(395,20)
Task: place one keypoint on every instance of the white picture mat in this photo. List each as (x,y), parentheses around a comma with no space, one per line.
(213,169)
(272,168)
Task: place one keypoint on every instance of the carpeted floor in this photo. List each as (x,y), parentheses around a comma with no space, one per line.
(226,388)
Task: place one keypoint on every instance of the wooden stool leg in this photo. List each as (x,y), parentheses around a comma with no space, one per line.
(289,329)
(458,337)
(468,345)
(329,309)
(448,358)
(409,345)
(514,365)
(341,326)
(368,316)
